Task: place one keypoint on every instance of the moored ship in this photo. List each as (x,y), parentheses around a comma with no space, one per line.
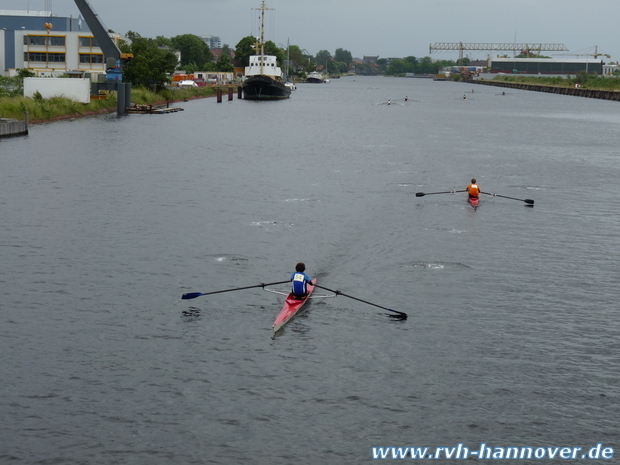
(263,75)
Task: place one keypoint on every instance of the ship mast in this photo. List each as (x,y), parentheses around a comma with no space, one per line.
(263,8)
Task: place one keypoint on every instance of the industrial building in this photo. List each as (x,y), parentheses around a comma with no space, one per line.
(544,66)
(47,45)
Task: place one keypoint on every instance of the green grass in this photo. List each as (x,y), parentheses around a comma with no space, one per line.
(587,81)
(40,109)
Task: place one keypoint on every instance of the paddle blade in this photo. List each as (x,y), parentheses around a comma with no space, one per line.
(530,201)
(419,194)
(191,295)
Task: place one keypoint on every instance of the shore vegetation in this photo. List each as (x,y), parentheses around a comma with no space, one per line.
(583,79)
(50,109)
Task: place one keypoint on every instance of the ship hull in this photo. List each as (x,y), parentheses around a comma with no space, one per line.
(264,88)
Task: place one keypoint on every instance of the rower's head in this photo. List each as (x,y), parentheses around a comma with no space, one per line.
(473,180)
(300,267)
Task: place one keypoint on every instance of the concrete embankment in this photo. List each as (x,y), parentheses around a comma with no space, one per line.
(13,127)
(577,92)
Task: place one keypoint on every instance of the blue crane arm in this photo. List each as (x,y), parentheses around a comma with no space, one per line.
(107,45)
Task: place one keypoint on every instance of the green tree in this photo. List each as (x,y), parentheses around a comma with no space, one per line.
(413,60)
(343,56)
(398,66)
(150,65)
(272,49)
(193,50)
(364,69)
(226,50)
(296,58)
(192,68)
(12,86)
(323,57)
(246,47)
(223,64)
(163,41)
(425,66)
(24,73)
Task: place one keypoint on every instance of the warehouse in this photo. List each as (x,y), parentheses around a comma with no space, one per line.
(544,66)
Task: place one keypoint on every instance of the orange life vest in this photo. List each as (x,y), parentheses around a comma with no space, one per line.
(473,190)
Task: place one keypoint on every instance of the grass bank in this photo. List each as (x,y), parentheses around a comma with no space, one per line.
(42,110)
(586,81)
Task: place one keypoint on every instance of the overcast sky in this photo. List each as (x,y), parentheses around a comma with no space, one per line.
(387,28)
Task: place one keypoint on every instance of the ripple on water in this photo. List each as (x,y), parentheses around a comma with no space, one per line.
(437,265)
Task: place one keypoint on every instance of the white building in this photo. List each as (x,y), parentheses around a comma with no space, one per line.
(48,45)
(610,69)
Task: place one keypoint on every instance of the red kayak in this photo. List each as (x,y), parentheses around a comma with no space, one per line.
(473,201)
(291,307)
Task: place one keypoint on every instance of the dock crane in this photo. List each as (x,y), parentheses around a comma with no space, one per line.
(114,59)
(513,47)
(596,54)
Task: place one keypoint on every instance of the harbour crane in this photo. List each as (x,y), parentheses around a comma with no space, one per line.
(515,47)
(114,59)
(596,54)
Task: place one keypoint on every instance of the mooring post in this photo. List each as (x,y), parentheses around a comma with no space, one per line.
(219,95)
(230,94)
(239,92)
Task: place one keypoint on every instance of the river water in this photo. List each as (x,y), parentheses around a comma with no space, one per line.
(513,333)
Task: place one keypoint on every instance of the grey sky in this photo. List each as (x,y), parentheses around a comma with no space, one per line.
(388,28)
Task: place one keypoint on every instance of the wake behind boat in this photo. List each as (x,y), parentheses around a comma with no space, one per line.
(263,76)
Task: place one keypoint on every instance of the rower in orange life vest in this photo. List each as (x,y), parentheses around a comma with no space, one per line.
(300,280)
(473,189)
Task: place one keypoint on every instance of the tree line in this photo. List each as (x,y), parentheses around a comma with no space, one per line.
(155,60)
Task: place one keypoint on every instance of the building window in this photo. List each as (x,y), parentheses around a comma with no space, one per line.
(90,58)
(41,57)
(88,42)
(57,41)
(35,57)
(53,41)
(56,57)
(34,40)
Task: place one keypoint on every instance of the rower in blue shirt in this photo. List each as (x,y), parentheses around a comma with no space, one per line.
(300,280)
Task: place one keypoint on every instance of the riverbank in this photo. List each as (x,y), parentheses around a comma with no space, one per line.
(575,91)
(59,108)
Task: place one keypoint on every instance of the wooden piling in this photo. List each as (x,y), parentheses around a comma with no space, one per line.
(219,95)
